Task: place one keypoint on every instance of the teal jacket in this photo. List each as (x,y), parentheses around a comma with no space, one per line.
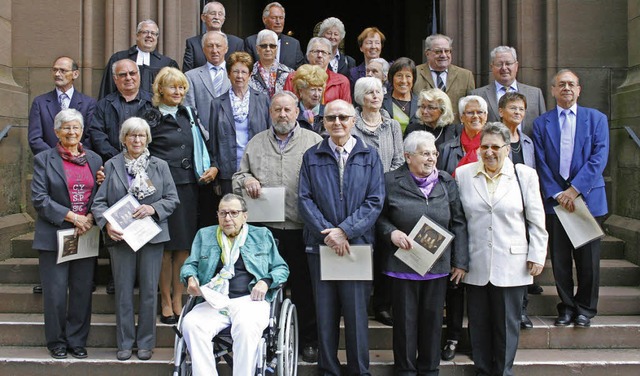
(259,253)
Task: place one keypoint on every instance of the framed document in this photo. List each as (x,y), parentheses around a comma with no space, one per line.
(269,207)
(428,240)
(72,247)
(136,232)
(354,266)
(580,225)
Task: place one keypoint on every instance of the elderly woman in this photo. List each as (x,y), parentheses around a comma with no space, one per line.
(62,191)
(401,103)
(434,115)
(370,42)
(236,116)
(507,247)
(418,188)
(333,29)
(178,140)
(268,75)
(457,152)
(379,68)
(308,84)
(148,179)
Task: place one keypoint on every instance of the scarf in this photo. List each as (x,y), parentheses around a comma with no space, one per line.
(240,106)
(471,149)
(171,110)
(65,154)
(141,185)
(426,184)
(219,297)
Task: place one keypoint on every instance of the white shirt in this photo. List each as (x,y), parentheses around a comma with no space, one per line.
(143,58)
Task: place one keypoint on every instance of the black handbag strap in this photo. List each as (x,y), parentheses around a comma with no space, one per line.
(524,208)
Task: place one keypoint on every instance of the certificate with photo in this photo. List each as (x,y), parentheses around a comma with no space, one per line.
(136,232)
(269,207)
(72,247)
(581,226)
(428,240)
(354,266)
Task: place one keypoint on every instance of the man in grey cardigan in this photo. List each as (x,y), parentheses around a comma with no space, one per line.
(272,159)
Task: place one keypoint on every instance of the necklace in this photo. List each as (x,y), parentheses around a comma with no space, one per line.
(399,103)
(439,134)
(375,125)
(516,149)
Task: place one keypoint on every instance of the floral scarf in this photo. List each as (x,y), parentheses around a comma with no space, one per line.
(141,185)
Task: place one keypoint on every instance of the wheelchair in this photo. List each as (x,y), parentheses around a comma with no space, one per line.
(278,348)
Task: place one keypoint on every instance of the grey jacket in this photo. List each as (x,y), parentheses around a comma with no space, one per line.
(386,139)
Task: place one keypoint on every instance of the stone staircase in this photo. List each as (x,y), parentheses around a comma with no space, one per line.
(610,347)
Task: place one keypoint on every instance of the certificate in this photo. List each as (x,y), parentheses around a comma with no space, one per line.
(72,247)
(580,225)
(269,207)
(428,240)
(354,266)
(136,232)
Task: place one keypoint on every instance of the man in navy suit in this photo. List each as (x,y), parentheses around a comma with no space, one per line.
(45,107)
(571,146)
(289,51)
(213,16)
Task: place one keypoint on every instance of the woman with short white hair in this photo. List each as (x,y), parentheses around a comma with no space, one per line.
(268,75)
(333,29)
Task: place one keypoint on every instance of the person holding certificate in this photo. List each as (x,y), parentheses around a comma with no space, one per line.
(62,190)
(414,190)
(507,247)
(148,179)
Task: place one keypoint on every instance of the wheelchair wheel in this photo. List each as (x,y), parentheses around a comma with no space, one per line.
(182,360)
(288,340)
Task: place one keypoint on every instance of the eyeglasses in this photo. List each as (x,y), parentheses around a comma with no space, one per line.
(149,32)
(473,113)
(428,154)
(232,213)
(502,64)
(62,71)
(319,52)
(125,74)
(492,147)
(332,118)
(237,72)
(441,51)
(138,136)
(430,108)
(75,128)
(264,46)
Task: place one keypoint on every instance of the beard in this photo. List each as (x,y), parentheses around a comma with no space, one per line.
(283,128)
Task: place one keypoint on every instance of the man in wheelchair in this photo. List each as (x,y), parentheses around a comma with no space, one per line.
(236,268)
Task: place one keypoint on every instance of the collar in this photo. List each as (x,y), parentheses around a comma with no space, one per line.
(499,86)
(222,65)
(273,132)
(348,146)
(573,109)
(506,170)
(68,92)
(436,72)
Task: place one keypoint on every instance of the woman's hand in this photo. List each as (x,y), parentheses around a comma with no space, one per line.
(401,240)
(83,223)
(209,175)
(456,275)
(534,268)
(259,291)
(252,185)
(100,176)
(144,211)
(193,287)
(114,234)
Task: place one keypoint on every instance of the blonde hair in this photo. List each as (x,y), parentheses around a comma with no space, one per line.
(168,76)
(308,75)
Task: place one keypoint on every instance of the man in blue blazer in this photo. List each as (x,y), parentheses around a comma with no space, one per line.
(45,107)
(213,16)
(572,146)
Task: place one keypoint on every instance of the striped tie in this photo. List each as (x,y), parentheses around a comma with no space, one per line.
(217,80)
(440,82)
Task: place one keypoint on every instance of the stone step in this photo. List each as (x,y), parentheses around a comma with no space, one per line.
(11,226)
(613,272)
(26,271)
(102,362)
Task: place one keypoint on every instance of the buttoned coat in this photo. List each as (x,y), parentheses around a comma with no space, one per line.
(194,55)
(50,196)
(201,93)
(290,53)
(498,248)
(460,83)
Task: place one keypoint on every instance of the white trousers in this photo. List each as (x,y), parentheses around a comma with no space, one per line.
(249,319)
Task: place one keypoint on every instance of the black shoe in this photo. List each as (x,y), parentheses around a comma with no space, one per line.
(449,350)
(169,320)
(582,321)
(563,319)
(37,289)
(310,354)
(58,352)
(534,289)
(78,352)
(384,317)
(111,288)
(525,322)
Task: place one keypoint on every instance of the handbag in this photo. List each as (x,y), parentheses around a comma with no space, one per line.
(201,159)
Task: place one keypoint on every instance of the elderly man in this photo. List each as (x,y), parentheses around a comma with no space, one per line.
(341,194)
(438,72)
(571,146)
(289,52)
(112,110)
(144,54)
(272,159)
(319,53)
(504,67)
(213,16)
(239,265)
(46,106)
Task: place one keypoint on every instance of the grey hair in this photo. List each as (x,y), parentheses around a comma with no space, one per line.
(267,9)
(498,129)
(431,38)
(231,197)
(563,71)
(385,65)
(266,33)
(363,85)
(440,97)
(147,22)
(226,41)
(464,101)
(134,124)
(417,138)
(332,22)
(212,3)
(501,50)
(322,40)
(68,115)
(115,64)
(284,93)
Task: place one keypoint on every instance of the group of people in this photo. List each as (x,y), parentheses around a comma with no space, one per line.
(363,152)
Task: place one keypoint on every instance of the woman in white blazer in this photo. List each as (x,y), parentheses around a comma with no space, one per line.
(507,247)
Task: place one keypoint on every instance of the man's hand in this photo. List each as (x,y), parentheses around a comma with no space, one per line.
(100,176)
(456,275)
(209,175)
(565,198)
(336,239)
(534,268)
(401,240)
(252,185)
(193,288)
(259,291)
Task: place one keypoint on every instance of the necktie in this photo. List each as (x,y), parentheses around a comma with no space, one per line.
(340,151)
(440,82)
(64,101)
(217,81)
(566,144)
(507,89)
